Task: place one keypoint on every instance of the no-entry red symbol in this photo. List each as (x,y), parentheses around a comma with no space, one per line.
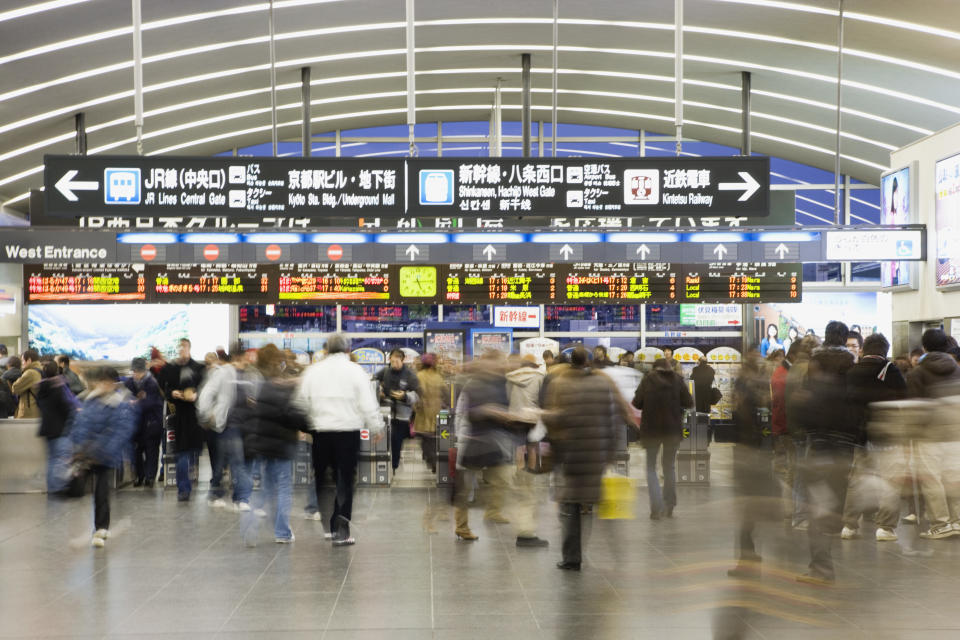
(364,434)
(273,252)
(335,252)
(148,252)
(211,252)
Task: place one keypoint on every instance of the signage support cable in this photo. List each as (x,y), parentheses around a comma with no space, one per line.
(678,73)
(836,165)
(273,82)
(553,104)
(305,142)
(745,108)
(411,80)
(137,77)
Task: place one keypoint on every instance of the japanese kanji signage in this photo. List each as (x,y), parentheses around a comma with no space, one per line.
(148,186)
(266,187)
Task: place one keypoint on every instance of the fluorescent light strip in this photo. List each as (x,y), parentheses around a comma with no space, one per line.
(643,237)
(412,238)
(147,238)
(33,9)
(787,236)
(816,202)
(269,238)
(810,215)
(339,238)
(714,237)
(488,238)
(557,238)
(212,238)
(865,203)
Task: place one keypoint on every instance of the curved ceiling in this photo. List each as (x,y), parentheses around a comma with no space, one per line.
(206,72)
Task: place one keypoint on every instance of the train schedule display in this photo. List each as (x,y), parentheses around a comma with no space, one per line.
(86,283)
(216,282)
(743,282)
(333,282)
(499,283)
(620,282)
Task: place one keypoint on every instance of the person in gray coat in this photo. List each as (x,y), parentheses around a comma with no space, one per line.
(584,413)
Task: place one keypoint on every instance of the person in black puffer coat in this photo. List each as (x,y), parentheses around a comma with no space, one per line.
(57,406)
(661,397)
(270,438)
(585,412)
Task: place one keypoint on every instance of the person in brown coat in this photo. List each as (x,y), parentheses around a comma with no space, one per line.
(25,387)
(584,413)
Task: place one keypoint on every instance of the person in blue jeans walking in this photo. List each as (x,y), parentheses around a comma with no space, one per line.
(661,397)
(180,380)
(270,438)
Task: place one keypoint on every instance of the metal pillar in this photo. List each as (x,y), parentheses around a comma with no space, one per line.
(273,82)
(525,103)
(137,75)
(745,112)
(411,80)
(80,121)
(305,141)
(496,123)
(678,72)
(540,139)
(556,41)
(836,166)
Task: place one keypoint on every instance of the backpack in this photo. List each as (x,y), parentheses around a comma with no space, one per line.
(8,402)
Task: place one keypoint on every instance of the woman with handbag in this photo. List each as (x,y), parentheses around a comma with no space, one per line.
(101,429)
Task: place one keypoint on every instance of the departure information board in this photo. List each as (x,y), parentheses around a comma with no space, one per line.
(88,283)
(325,282)
(496,283)
(620,282)
(743,282)
(216,282)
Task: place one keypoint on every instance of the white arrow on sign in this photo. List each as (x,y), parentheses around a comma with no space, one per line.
(412,251)
(66,186)
(781,250)
(644,251)
(749,185)
(489,251)
(566,251)
(720,251)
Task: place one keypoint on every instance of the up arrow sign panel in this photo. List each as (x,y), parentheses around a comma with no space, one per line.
(749,186)
(720,252)
(66,185)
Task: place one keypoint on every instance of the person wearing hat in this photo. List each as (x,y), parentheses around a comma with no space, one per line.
(148,434)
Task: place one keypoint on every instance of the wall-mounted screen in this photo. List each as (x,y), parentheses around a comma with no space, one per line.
(125,331)
(620,282)
(496,283)
(90,283)
(947,208)
(897,207)
(216,282)
(334,281)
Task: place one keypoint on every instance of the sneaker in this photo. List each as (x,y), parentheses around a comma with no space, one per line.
(98,542)
(103,534)
(344,542)
(531,541)
(940,532)
(569,566)
(910,518)
(217,503)
(260,513)
(313,516)
(849,534)
(183,497)
(815,579)
(285,540)
(243,507)
(886,535)
(802,526)
(497,519)
(328,536)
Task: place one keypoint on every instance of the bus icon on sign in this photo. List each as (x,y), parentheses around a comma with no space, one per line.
(121,186)
(436,186)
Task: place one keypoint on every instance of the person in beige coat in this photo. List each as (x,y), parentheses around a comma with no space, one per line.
(25,388)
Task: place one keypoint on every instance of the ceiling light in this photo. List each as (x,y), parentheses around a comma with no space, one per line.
(37,8)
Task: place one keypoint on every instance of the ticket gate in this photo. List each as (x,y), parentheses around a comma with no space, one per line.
(374,464)
(303,465)
(445,448)
(169,462)
(693,457)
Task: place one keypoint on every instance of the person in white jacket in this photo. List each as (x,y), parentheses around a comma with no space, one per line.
(339,402)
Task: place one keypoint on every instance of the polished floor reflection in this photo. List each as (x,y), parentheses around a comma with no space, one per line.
(181,571)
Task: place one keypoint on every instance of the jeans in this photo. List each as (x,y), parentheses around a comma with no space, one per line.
(229,450)
(337,450)
(827,473)
(146,449)
(184,460)
(659,502)
(276,495)
(212,438)
(58,456)
(399,431)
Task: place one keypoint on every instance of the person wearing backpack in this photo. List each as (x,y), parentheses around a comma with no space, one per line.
(57,406)
(149,434)
(25,386)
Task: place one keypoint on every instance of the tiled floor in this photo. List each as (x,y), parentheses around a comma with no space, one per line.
(181,571)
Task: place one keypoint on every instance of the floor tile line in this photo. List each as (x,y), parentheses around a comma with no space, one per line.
(250,590)
(433,617)
(346,575)
(516,574)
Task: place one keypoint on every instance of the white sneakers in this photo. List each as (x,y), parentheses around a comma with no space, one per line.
(260,513)
(100,538)
(218,503)
(242,507)
(285,540)
(313,516)
(886,535)
(849,534)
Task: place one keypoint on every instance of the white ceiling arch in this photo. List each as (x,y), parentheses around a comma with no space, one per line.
(206,72)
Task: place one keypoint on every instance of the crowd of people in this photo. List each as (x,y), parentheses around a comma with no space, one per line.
(829,434)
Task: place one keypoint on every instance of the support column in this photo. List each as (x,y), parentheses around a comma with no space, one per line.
(306,143)
(411,79)
(439,139)
(678,73)
(273,82)
(836,166)
(80,121)
(745,107)
(540,139)
(137,75)
(525,103)
(556,43)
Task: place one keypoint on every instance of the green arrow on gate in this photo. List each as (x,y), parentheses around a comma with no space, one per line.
(686,433)
(445,434)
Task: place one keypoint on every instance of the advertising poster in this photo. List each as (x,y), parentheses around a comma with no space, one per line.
(482,340)
(447,345)
(778,325)
(895,195)
(536,347)
(947,207)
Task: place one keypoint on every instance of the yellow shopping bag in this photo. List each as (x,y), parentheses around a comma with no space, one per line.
(617,498)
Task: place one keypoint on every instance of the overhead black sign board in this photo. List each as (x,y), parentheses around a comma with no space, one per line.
(227,186)
(266,187)
(588,186)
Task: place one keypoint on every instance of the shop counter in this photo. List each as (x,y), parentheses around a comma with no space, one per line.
(23,457)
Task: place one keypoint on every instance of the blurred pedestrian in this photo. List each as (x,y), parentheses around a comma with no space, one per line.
(148,402)
(398,388)
(57,407)
(69,375)
(100,431)
(270,437)
(661,397)
(584,412)
(335,395)
(429,403)
(180,380)
(25,386)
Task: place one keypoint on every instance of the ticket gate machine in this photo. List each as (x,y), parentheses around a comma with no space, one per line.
(375,467)
(445,448)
